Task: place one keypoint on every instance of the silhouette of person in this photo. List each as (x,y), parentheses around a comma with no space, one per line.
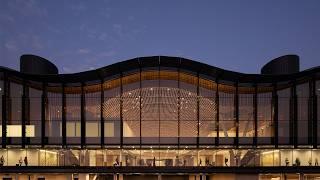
(117,162)
(154,161)
(2,161)
(287,162)
(25,161)
(207,161)
(20,161)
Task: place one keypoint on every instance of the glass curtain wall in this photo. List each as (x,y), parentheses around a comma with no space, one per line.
(14,122)
(162,157)
(53,113)
(227,121)
(93,114)
(207,112)
(33,126)
(188,108)
(150,114)
(246,114)
(131,108)
(111,111)
(169,106)
(265,127)
(73,114)
(302,91)
(284,125)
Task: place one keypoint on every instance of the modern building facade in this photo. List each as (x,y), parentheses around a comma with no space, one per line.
(160,118)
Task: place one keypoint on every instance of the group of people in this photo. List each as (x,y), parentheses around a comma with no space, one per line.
(25,160)
(118,163)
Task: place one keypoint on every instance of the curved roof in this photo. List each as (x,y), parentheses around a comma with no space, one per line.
(286,64)
(183,64)
(33,64)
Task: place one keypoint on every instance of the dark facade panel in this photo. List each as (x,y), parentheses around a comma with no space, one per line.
(32,64)
(287,64)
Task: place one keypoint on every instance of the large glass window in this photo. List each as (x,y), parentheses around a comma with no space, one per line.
(161,157)
(150,115)
(113,157)
(284,116)
(303,110)
(73,115)
(168,107)
(35,116)
(207,112)
(14,128)
(53,121)
(265,124)
(246,115)
(227,124)
(93,114)
(269,157)
(111,111)
(131,108)
(188,108)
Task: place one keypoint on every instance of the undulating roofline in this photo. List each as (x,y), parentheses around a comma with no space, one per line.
(283,68)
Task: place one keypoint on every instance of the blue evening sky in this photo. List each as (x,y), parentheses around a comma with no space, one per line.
(238,35)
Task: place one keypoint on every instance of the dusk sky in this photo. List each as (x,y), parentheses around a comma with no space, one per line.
(238,35)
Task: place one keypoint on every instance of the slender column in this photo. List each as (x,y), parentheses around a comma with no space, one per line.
(64,121)
(83,117)
(44,104)
(101,114)
(159,99)
(274,107)
(315,113)
(236,111)
(255,115)
(198,107)
(310,112)
(4,110)
(179,103)
(24,113)
(293,117)
(27,113)
(217,113)
(9,108)
(121,113)
(140,101)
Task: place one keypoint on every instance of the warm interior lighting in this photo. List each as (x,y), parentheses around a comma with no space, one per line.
(270,152)
(16,131)
(30,131)
(46,151)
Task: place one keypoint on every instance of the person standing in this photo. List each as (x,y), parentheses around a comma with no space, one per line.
(20,161)
(25,161)
(2,161)
(154,161)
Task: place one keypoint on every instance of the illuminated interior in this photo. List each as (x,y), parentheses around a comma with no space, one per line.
(159,117)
